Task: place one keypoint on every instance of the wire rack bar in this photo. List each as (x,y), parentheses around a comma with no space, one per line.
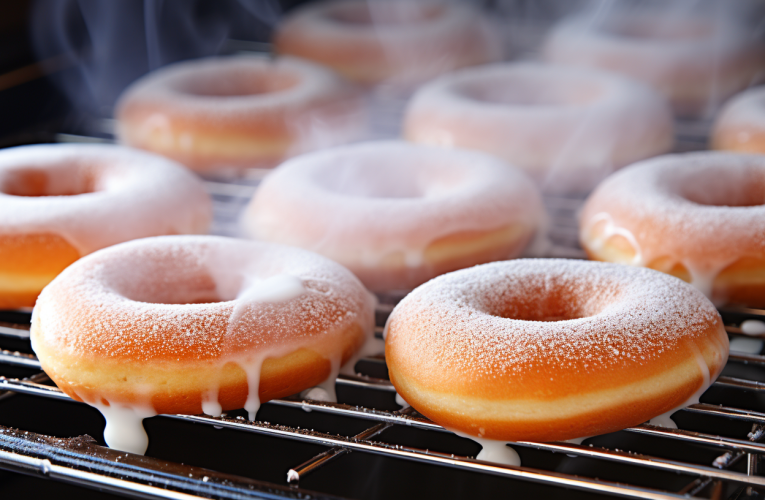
(82,462)
(390,418)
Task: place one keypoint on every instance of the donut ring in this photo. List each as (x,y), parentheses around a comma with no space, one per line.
(60,202)
(397,214)
(237,112)
(395,41)
(189,324)
(696,64)
(552,349)
(697,216)
(740,126)
(567,127)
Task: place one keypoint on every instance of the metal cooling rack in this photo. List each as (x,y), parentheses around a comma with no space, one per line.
(340,449)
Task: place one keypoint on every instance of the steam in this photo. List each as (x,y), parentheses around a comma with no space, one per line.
(110,44)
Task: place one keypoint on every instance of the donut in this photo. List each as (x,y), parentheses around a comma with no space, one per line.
(552,349)
(696,61)
(230,113)
(192,324)
(567,127)
(396,42)
(740,126)
(61,202)
(397,214)
(697,216)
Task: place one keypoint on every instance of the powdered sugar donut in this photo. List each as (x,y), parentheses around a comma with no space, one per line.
(567,127)
(184,324)
(60,202)
(235,112)
(696,61)
(392,41)
(550,350)
(740,125)
(697,216)
(397,214)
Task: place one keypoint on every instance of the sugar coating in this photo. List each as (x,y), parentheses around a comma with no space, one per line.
(128,194)
(378,198)
(464,321)
(136,301)
(687,208)
(563,125)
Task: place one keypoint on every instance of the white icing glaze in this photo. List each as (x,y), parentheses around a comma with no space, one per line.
(609,230)
(401,402)
(749,346)
(274,301)
(567,127)
(701,210)
(365,204)
(493,451)
(665,420)
(753,327)
(124,426)
(128,194)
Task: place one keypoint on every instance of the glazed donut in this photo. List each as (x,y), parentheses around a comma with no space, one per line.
(393,41)
(183,324)
(397,214)
(740,126)
(695,61)
(567,127)
(552,349)
(60,202)
(697,216)
(237,112)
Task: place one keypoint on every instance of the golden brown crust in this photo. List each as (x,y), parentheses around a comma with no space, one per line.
(28,262)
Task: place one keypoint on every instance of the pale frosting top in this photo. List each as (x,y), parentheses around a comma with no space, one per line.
(561,124)
(378,198)
(746,111)
(198,298)
(98,195)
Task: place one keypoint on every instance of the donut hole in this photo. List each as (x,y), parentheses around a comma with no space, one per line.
(384,13)
(527,89)
(388,178)
(239,82)
(724,188)
(36,182)
(548,301)
(166,278)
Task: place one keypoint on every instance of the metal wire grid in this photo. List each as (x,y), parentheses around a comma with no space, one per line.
(84,462)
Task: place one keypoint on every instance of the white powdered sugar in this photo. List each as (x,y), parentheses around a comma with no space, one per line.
(519,317)
(568,127)
(369,202)
(702,210)
(98,195)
